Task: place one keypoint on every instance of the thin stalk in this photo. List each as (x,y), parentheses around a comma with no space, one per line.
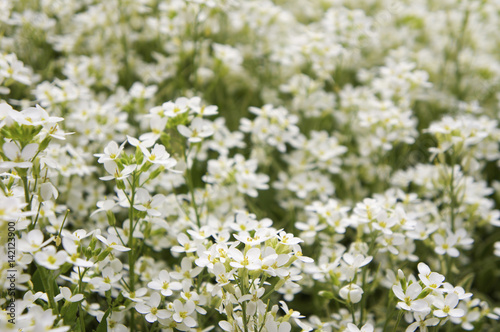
(351,309)
(387,318)
(81,312)
(191,190)
(244,305)
(452,197)
(131,255)
(26,190)
(400,315)
(47,284)
(37,215)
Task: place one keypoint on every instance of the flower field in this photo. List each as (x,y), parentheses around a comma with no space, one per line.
(249,165)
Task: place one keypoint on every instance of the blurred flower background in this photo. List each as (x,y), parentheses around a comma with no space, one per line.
(249,165)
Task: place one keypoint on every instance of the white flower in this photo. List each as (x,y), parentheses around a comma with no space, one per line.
(183,312)
(71,246)
(11,66)
(157,124)
(112,168)
(384,222)
(34,116)
(114,321)
(105,205)
(365,328)
(447,306)
(221,276)
(250,260)
(248,183)
(68,296)
(186,245)
(421,322)
(143,145)
(151,309)
(409,299)
(171,109)
(18,158)
(446,246)
(432,280)
(140,91)
(50,259)
(111,152)
(33,241)
(5,111)
(352,293)
(136,296)
(113,242)
(44,320)
(47,191)
(272,326)
(151,205)
(159,155)
(10,208)
(186,272)
(471,315)
(226,326)
(198,130)
(496,251)
(273,263)
(290,313)
(351,264)
(260,236)
(109,278)
(76,236)
(288,238)
(163,284)
(424,271)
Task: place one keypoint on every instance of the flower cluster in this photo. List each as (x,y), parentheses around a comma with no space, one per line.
(249,166)
(430,300)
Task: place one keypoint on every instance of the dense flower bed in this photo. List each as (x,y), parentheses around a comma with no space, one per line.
(249,165)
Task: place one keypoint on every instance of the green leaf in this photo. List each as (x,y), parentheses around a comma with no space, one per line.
(103,325)
(37,282)
(466,282)
(70,313)
(326,294)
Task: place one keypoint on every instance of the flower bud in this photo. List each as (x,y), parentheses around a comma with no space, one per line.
(352,293)
(47,191)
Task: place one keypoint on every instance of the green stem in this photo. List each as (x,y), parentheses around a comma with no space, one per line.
(452,197)
(81,313)
(194,72)
(131,255)
(268,307)
(400,315)
(191,190)
(123,40)
(26,191)
(390,307)
(64,221)
(351,309)
(47,284)
(269,292)
(243,283)
(372,251)
(37,216)
(460,43)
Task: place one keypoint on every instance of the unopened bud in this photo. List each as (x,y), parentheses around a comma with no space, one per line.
(326,294)
(120,184)
(424,293)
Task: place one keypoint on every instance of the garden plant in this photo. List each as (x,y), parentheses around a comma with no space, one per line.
(249,165)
